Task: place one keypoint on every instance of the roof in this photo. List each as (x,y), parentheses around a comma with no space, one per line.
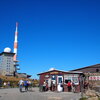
(50,71)
(76,72)
(24,74)
(92,66)
(6,53)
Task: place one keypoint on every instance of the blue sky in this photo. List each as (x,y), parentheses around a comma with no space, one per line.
(63,34)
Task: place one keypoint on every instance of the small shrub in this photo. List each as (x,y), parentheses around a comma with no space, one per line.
(84,98)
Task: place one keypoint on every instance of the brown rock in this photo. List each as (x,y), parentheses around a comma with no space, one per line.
(91,93)
(93,98)
(98,94)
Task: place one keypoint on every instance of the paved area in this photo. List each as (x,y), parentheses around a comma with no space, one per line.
(34,94)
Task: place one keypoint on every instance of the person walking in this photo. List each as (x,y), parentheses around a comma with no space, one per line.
(29,85)
(26,85)
(21,85)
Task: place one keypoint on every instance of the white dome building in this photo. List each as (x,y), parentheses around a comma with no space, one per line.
(7,49)
(7,63)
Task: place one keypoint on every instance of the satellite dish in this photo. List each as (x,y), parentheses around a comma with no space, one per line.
(51,69)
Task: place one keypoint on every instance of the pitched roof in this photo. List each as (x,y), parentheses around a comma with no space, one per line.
(76,72)
(50,71)
(92,66)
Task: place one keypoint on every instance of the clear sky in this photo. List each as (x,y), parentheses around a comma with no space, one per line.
(63,34)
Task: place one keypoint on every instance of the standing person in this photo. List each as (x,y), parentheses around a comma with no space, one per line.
(73,87)
(0,82)
(8,84)
(53,85)
(49,84)
(30,85)
(60,88)
(4,84)
(21,85)
(69,86)
(26,85)
(44,86)
(86,85)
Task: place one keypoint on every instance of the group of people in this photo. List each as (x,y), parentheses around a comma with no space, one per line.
(6,84)
(25,84)
(72,87)
(51,85)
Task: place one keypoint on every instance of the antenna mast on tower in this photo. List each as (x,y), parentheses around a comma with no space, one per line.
(16,42)
(15,50)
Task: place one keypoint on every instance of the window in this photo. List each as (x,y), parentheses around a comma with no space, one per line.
(75,80)
(71,77)
(8,66)
(53,77)
(97,70)
(66,81)
(60,80)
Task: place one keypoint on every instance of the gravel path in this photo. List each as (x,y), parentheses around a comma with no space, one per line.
(14,94)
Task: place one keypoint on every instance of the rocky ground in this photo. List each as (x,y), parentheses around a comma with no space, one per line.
(92,95)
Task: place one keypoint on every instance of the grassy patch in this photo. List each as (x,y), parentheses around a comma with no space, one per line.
(84,98)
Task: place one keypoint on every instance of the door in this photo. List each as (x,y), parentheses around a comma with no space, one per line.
(59,79)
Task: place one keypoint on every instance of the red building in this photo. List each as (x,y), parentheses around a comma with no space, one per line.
(92,74)
(60,77)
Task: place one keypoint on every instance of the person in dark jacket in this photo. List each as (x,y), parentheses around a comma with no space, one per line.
(26,85)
